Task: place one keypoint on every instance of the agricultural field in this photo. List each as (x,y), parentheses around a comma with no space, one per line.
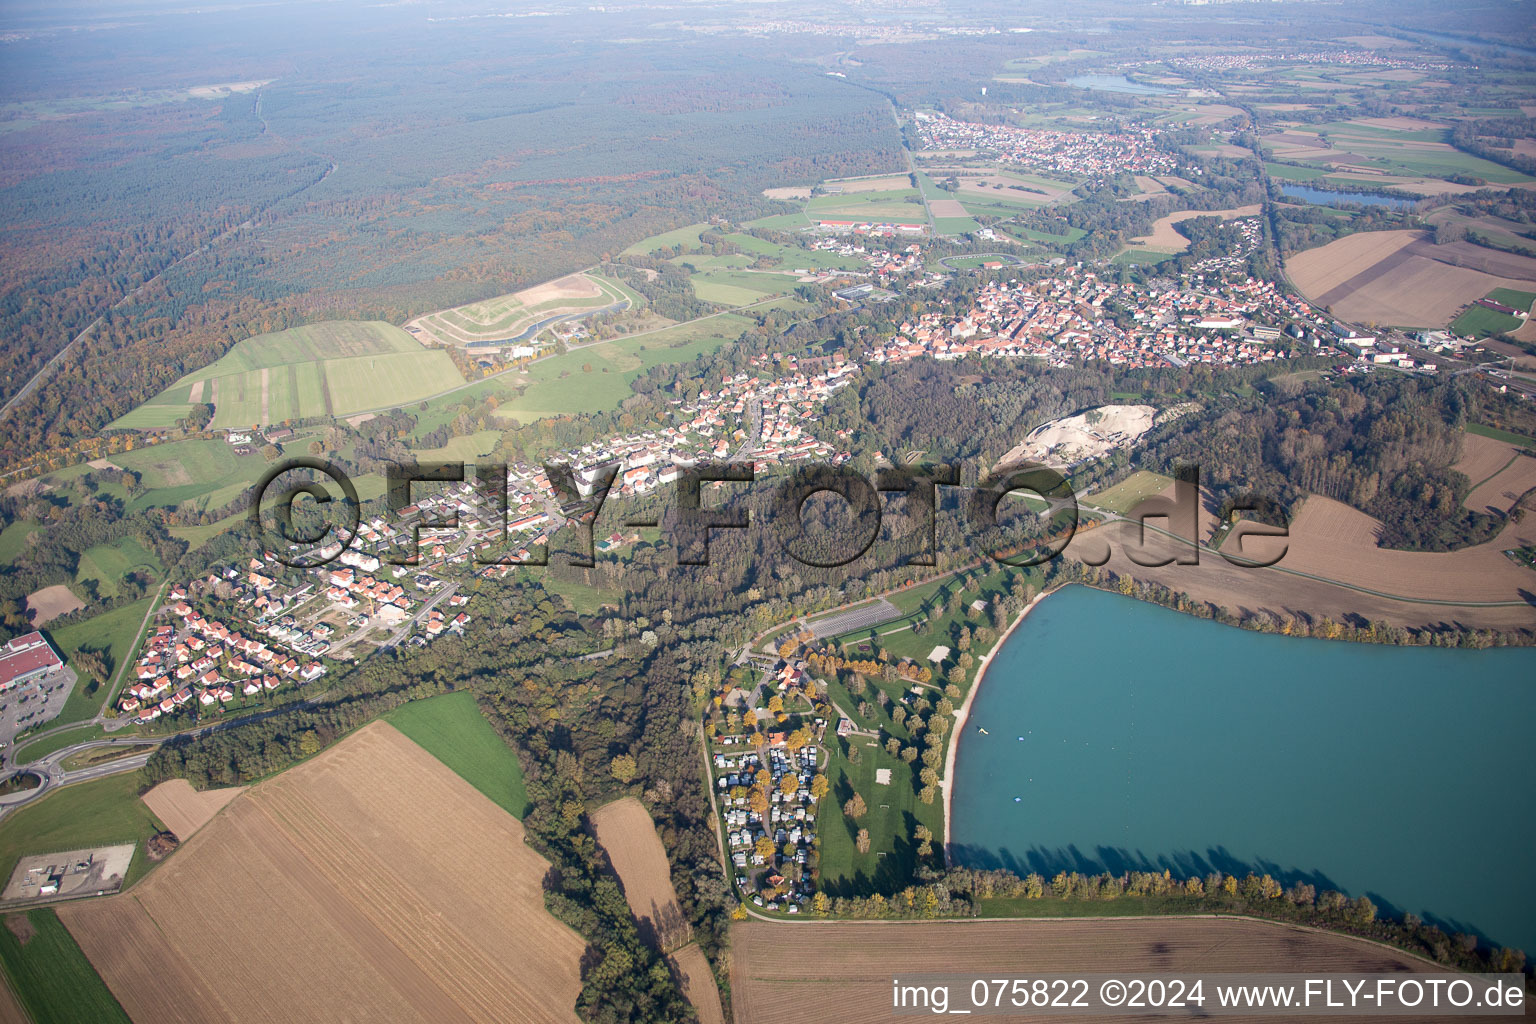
(427,904)
(1332,567)
(1400,278)
(451,728)
(521,315)
(1406,152)
(698,983)
(1498,487)
(324,369)
(52,980)
(628,835)
(183,809)
(842,970)
(101,812)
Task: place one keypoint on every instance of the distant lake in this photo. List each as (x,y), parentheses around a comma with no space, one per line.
(1116,83)
(1152,739)
(1324,197)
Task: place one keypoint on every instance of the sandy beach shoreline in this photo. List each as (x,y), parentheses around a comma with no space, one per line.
(947,783)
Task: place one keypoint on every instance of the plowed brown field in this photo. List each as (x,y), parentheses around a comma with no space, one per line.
(1331,563)
(794,973)
(185,810)
(370,883)
(1499,472)
(1403,279)
(628,835)
(699,983)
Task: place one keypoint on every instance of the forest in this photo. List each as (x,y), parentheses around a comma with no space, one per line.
(1384,444)
(344,192)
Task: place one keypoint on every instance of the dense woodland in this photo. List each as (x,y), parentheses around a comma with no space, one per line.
(320,197)
(1384,444)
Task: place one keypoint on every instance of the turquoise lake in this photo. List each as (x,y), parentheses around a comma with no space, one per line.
(1138,737)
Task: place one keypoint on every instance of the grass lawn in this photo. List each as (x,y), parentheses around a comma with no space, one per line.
(27,752)
(1119,907)
(1130,492)
(584,598)
(197,536)
(97,813)
(118,631)
(109,564)
(188,471)
(1068,235)
(451,729)
(557,385)
(781,222)
(1512,298)
(1141,257)
(13,539)
(51,977)
(687,237)
(955,225)
(463,449)
(738,288)
(894,812)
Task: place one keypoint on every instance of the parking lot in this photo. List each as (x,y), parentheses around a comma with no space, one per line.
(30,705)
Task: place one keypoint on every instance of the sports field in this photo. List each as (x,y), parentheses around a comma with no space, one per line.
(1482,322)
(368,883)
(325,369)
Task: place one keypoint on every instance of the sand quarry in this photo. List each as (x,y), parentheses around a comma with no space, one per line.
(1063,443)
